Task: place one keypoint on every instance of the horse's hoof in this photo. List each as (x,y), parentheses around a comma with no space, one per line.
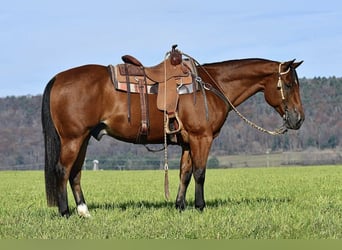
(200,207)
(83,211)
(65,214)
(180,206)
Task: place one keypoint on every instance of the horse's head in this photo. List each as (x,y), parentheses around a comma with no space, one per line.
(282,92)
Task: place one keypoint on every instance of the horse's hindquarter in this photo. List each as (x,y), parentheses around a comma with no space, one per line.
(74,99)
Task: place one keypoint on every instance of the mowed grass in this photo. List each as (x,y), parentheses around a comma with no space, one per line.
(258,203)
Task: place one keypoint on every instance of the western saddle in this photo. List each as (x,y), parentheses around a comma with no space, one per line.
(168,79)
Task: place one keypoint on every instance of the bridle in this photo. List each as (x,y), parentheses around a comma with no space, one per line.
(280,84)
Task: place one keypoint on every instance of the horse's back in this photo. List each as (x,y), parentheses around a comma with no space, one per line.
(88,74)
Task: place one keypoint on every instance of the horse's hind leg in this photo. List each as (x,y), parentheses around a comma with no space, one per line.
(62,197)
(75,181)
(69,154)
(185,173)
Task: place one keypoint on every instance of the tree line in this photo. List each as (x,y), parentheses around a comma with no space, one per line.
(21,144)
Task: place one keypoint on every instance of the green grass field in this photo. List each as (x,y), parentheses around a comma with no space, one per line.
(258,203)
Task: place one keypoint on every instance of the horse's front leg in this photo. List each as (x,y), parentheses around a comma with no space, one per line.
(200,147)
(185,173)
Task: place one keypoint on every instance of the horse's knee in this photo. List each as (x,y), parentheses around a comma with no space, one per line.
(199,175)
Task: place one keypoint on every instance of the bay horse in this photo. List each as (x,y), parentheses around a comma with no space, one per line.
(79,99)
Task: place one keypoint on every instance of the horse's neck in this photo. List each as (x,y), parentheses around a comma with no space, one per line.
(239,82)
(239,90)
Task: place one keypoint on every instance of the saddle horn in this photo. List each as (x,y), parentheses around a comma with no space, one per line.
(175,56)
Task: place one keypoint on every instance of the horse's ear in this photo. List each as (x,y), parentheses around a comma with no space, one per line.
(296,64)
(288,64)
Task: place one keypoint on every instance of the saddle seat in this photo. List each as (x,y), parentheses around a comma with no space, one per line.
(155,73)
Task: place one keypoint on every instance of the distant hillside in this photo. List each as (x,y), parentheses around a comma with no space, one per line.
(21,144)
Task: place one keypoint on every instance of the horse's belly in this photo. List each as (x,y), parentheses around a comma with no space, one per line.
(122,129)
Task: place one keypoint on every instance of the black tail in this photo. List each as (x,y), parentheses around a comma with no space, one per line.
(52,148)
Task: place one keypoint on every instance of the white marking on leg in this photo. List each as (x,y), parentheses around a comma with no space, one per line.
(83,211)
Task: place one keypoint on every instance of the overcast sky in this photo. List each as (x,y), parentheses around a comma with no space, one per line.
(40,38)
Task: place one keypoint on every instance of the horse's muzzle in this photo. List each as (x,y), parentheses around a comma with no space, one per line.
(294,119)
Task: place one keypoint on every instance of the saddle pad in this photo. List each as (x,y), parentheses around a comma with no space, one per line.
(185,85)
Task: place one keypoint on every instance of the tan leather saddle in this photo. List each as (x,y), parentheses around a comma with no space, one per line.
(162,79)
(167,80)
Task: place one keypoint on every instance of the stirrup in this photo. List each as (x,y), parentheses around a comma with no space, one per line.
(167,125)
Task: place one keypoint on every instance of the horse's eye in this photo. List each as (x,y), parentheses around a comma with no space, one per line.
(288,84)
